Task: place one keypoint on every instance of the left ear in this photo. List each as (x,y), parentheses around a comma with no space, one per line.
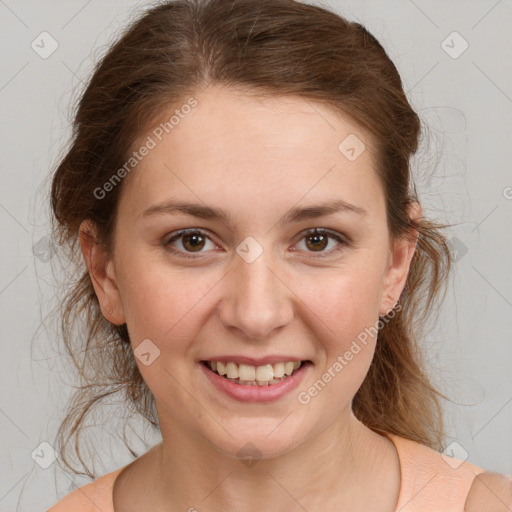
(401,252)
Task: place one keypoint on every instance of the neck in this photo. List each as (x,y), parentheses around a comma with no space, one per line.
(336,467)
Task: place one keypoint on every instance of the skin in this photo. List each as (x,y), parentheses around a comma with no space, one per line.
(491,492)
(256,158)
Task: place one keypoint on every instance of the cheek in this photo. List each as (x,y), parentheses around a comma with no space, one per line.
(346,299)
(162,303)
(345,326)
(168,308)
(345,304)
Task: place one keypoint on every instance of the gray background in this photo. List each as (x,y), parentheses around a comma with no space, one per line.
(462,173)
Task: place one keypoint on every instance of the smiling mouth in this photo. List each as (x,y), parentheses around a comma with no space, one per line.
(249,375)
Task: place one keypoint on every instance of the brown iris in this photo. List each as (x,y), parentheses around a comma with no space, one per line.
(193,242)
(320,241)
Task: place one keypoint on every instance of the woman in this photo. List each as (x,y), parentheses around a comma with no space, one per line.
(256,260)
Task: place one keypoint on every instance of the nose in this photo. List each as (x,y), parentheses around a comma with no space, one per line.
(257,300)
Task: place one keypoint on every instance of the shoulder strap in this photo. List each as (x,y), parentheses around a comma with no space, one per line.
(431,480)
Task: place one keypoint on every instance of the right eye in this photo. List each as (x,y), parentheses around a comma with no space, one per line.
(192,241)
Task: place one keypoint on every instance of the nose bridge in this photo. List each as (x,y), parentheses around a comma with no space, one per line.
(257,302)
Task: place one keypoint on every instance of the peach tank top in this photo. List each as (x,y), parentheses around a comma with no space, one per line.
(430,482)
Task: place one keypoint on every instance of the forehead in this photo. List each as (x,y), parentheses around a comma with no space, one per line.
(255,153)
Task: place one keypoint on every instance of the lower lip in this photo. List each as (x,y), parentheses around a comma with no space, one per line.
(256,393)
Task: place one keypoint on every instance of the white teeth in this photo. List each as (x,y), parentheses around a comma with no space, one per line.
(221,368)
(246,372)
(256,375)
(279,370)
(232,370)
(288,367)
(264,373)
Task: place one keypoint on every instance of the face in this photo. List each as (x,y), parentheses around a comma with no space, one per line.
(256,284)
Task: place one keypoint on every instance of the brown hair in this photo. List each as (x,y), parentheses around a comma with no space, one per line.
(271,47)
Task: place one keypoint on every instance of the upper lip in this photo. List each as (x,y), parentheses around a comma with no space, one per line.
(256,361)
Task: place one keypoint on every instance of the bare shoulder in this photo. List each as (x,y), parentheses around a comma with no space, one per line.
(491,492)
(134,483)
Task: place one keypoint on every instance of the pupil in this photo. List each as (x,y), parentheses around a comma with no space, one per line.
(195,244)
(318,238)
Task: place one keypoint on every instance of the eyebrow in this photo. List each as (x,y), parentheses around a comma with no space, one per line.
(295,214)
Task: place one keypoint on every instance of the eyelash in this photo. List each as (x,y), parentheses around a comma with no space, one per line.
(314,231)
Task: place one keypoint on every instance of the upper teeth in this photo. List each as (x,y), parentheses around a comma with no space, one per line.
(248,372)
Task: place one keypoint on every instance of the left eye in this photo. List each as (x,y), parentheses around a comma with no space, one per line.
(318,240)
(194,240)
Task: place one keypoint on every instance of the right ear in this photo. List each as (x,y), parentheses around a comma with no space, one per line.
(102,272)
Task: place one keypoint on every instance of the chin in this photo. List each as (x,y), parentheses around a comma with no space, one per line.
(255,438)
